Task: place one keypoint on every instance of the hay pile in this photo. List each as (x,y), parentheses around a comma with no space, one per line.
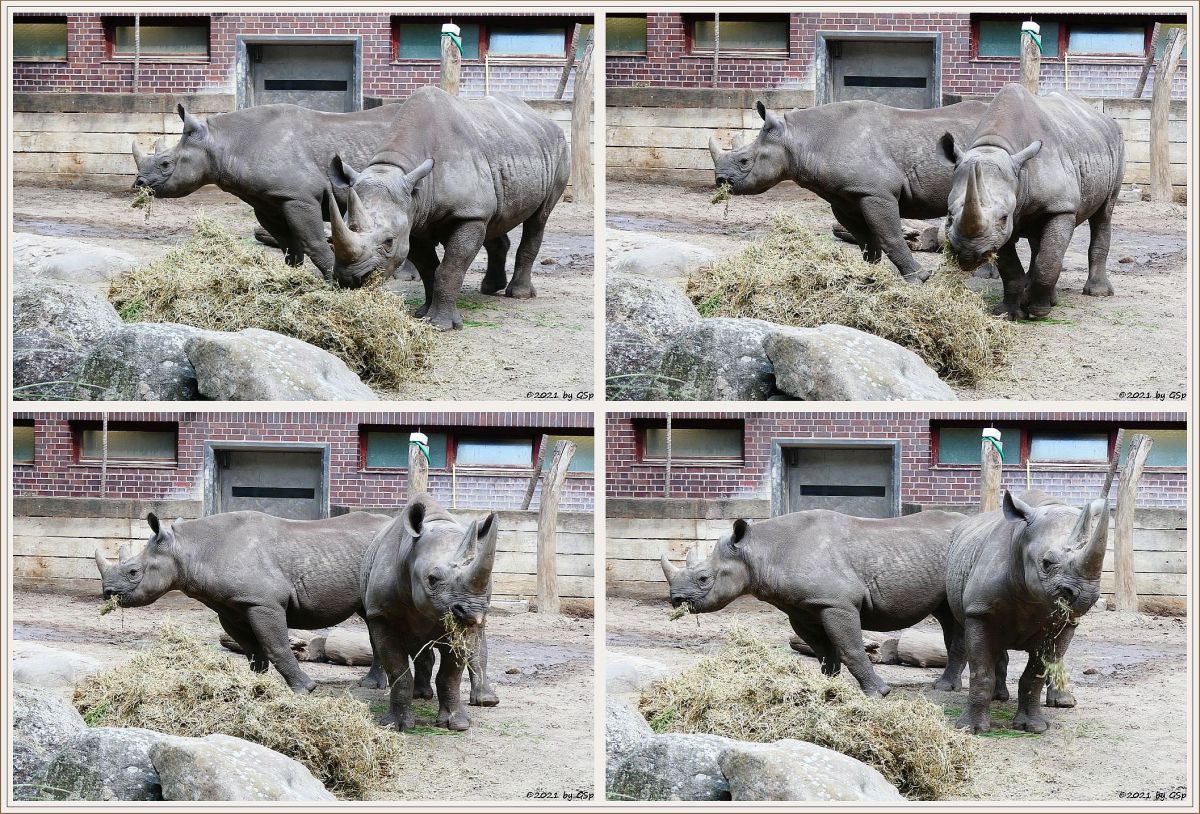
(751,691)
(183,686)
(796,277)
(215,280)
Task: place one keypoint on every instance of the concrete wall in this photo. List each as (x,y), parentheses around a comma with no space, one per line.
(640,530)
(661,134)
(54,540)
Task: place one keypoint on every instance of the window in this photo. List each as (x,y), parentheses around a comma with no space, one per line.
(626,34)
(1106,39)
(494,451)
(692,442)
(423,40)
(961,445)
(22,435)
(585,452)
(1002,37)
(762,33)
(388,449)
(181,38)
(527,40)
(585,29)
(128,443)
(1170,447)
(39,39)
(1164,33)
(1068,446)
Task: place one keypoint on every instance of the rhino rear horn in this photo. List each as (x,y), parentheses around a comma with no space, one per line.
(1091,539)
(123,552)
(693,557)
(669,568)
(739,140)
(160,144)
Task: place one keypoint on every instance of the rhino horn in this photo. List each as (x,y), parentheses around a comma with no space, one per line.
(483,540)
(466,549)
(160,144)
(138,154)
(739,140)
(123,552)
(359,218)
(972,214)
(1091,538)
(693,557)
(714,149)
(669,568)
(347,247)
(102,563)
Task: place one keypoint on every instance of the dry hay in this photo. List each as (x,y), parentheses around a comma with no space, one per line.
(796,277)
(142,199)
(216,281)
(184,686)
(749,690)
(110,605)
(462,640)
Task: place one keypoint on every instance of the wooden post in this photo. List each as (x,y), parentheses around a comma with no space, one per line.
(1124,589)
(104,456)
(716,46)
(418,464)
(566,71)
(547,533)
(535,474)
(667,479)
(1112,465)
(1141,83)
(1031,62)
(451,65)
(137,51)
(1160,118)
(989,477)
(581,128)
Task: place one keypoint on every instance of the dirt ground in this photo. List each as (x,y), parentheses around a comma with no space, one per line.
(1090,348)
(508,349)
(1127,735)
(539,739)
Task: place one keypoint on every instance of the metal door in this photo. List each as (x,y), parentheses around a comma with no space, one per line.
(320,77)
(851,480)
(285,484)
(898,73)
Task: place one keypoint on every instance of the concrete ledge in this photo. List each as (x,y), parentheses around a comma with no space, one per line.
(739,98)
(123,508)
(651,508)
(198,103)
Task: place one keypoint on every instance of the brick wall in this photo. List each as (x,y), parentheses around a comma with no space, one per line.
(921,480)
(89,69)
(56,471)
(667,62)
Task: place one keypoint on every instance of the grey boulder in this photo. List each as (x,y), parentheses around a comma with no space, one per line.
(836,363)
(50,667)
(630,361)
(258,365)
(653,309)
(672,767)
(220,767)
(142,362)
(72,261)
(624,730)
(661,258)
(42,724)
(718,359)
(797,770)
(108,763)
(628,673)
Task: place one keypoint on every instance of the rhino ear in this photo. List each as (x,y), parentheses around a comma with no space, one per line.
(1019,159)
(420,172)
(740,529)
(1016,509)
(771,121)
(950,149)
(341,173)
(152,519)
(192,126)
(414,518)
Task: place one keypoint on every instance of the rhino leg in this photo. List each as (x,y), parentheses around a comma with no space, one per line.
(394,656)
(270,628)
(376,678)
(532,233)
(1029,717)
(280,236)
(1098,284)
(1012,273)
(982,660)
(497,255)
(307,225)
(423,674)
(856,226)
(956,659)
(482,693)
(814,636)
(883,218)
(451,712)
(1000,693)
(1054,239)
(424,257)
(844,629)
(244,636)
(462,246)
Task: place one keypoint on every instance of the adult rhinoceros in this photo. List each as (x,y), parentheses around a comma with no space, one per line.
(461,173)
(263,574)
(833,574)
(874,164)
(273,157)
(422,570)
(1035,167)
(1019,579)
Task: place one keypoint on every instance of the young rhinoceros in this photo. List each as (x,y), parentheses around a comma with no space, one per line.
(425,579)
(1019,579)
(1035,167)
(833,574)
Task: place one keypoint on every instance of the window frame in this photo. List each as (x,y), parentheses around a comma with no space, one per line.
(45,19)
(1065,24)
(692,49)
(1024,443)
(641,449)
(399,429)
(79,458)
(32,425)
(455,433)
(486,26)
(112,22)
(645,18)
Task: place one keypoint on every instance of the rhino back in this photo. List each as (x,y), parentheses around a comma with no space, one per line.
(977,564)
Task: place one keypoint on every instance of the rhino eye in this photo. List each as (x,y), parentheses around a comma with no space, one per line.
(434,580)
(387,245)
(1048,564)
(745,162)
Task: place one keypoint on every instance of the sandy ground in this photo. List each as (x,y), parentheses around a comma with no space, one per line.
(508,349)
(1127,734)
(539,739)
(1089,349)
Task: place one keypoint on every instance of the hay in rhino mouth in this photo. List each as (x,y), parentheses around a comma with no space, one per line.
(142,199)
(218,281)
(754,691)
(795,276)
(184,686)
(463,640)
(110,605)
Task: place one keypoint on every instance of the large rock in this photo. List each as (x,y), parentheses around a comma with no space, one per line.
(258,365)
(627,673)
(71,261)
(631,360)
(42,724)
(142,362)
(672,767)
(624,730)
(653,309)
(220,767)
(50,667)
(800,771)
(108,763)
(718,359)
(661,258)
(836,363)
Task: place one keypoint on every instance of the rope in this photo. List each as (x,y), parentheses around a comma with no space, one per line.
(457,40)
(424,448)
(999,447)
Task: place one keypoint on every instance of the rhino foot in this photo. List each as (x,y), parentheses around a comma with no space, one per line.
(425,692)
(1101,288)
(401,724)
(492,287)
(458,721)
(1059,698)
(484,698)
(916,277)
(1001,693)
(976,725)
(948,685)
(446,319)
(881,691)
(373,681)
(1039,311)
(520,292)
(1030,723)
(1006,311)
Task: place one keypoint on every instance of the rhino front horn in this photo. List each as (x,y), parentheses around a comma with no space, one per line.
(668,567)
(138,155)
(485,554)
(102,563)
(347,247)
(972,215)
(1092,538)
(714,149)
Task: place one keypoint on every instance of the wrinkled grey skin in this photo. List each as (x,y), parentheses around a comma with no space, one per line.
(461,173)
(1006,571)
(874,165)
(273,157)
(833,574)
(1035,168)
(420,567)
(262,575)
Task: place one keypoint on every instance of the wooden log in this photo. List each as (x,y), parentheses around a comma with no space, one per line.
(348,646)
(547,549)
(1125,589)
(536,473)
(989,478)
(1112,464)
(418,464)
(1141,83)
(1161,189)
(305,644)
(919,648)
(581,128)
(920,235)
(1031,62)
(566,71)
(451,65)
(880,647)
